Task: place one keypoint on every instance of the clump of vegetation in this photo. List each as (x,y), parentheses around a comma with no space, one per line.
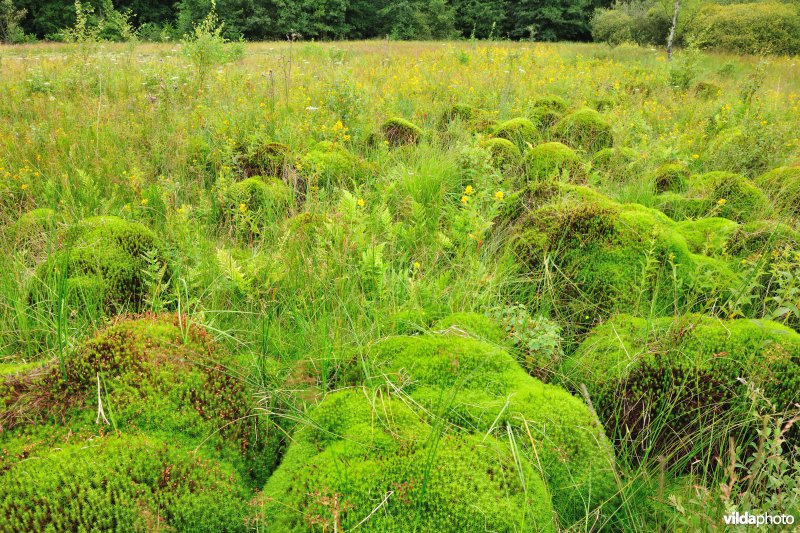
(399,131)
(584,129)
(267,158)
(329,164)
(655,381)
(782,185)
(521,131)
(553,160)
(671,177)
(548,110)
(256,202)
(503,152)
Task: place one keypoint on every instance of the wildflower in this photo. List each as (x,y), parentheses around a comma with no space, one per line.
(145,201)
(464,199)
(671,256)
(499,196)
(24,186)
(469,190)
(243,208)
(360,202)
(695,156)
(722,201)
(417,265)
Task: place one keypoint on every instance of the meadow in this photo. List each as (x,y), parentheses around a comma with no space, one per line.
(384,286)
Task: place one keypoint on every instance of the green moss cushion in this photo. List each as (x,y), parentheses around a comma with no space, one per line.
(330,164)
(584,129)
(367,458)
(553,160)
(400,131)
(782,185)
(520,131)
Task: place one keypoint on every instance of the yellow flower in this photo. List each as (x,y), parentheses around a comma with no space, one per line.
(464,199)
(243,208)
(722,201)
(24,186)
(417,265)
(499,195)
(469,190)
(360,202)
(695,156)
(145,201)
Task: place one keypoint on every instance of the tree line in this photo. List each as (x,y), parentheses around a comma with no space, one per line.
(541,20)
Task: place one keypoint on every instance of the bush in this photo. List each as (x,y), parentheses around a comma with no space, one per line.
(399,131)
(359,450)
(755,28)
(655,382)
(612,26)
(553,160)
(782,185)
(520,131)
(584,129)
(105,255)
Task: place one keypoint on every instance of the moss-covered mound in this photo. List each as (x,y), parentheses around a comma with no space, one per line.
(548,110)
(266,158)
(158,376)
(584,129)
(721,194)
(611,257)
(471,324)
(743,152)
(763,238)
(121,483)
(614,159)
(521,131)
(660,379)
(482,390)
(474,118)
(255,203)
(101,261)
(399,131)
(503,152)
(782,186)
(553,160)
(366,457)
(672,177)
(330,164)
(708,236)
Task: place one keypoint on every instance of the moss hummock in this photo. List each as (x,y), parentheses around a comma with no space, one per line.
(720,194)
(672,177)
(520,131)
(782,185)
(503,152)
(553,160)
(256,203)
(329,164)
(548,110)
(584,129)
(399,131)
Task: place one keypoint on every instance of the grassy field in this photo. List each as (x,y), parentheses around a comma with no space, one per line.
(386,286)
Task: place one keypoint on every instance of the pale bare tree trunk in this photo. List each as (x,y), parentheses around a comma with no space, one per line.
(671,37)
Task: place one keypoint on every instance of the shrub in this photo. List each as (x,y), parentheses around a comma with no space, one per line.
(121,483)
(108,255)
(360,449)
(483,390)
(612,26)
(584,129)
(782,185)
(754,28)
(672,177)
(503,152)
(553,160)
(655,382)
(399,131)
(519,130)
(254,204)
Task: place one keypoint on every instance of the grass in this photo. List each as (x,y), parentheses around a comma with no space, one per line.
(402,236)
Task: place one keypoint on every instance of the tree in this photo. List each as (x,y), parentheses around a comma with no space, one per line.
(10,17)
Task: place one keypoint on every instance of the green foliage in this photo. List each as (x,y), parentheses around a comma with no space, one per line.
(671,177)
(708,236)
(748,28)
(584,129)
(504,153)
(399,131)
(728,195)
(616,164)
(206,47)
(10,17)
(365,451)
(553,160)
(329,164)
(548,110)
(612,26)
(740,151)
